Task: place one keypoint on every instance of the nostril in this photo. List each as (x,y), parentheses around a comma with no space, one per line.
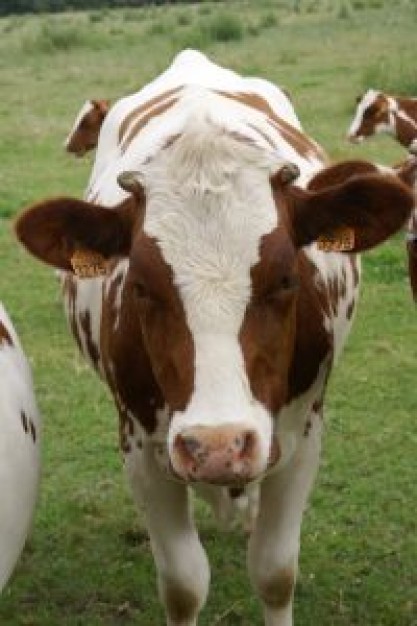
(187,447)
(248,444)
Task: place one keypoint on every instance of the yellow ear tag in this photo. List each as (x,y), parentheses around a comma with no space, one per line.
(87,264)
(340,239)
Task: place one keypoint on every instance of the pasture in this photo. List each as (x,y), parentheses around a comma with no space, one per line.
(88,561)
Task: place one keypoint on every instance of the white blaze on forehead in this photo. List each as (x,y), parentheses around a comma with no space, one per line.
(209,203)
(85,109)
(208,206)
(367,100)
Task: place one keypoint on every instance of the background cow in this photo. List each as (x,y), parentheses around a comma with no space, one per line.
(378,112)
(86,129)
(197,290)
(381,113)
(19,448)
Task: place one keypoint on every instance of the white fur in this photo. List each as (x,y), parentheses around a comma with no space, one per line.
(19,453)
(189,69)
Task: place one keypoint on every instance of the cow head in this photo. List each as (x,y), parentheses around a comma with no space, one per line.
(84,134)
(214,275)
(372,116)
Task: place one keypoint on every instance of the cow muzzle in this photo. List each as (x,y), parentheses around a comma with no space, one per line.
(223,455)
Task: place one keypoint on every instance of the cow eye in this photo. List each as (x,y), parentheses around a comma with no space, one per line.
(140,291)
(286,287)
(371,110)
(288,283)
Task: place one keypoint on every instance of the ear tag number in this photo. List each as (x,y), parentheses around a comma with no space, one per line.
(340,239)
(87,264)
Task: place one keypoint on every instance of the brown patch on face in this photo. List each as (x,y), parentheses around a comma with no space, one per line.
(165,332)
(85,136)
(143,114)
(148,355)
(313,344)
(127,367)
(268,330)
(375,113)
(4,335)
(277,590)
(300,142)
(181,604)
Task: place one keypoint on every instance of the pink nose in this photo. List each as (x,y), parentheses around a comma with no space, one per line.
(222,455)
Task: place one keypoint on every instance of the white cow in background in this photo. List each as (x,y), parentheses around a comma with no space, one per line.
(19,448)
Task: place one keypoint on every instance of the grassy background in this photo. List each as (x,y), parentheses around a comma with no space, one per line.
(88,561)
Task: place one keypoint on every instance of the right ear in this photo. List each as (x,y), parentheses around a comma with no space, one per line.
(53,230)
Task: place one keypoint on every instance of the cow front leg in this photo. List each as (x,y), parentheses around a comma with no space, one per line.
(274,543)
(181,563)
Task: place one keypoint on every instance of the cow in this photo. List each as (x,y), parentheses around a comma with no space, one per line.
(19,448)
(378,112)
(86,128)
(213,292)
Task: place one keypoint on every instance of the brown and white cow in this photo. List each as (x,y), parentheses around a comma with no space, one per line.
(86,128)
(378,112)
(19,448)
(211,311)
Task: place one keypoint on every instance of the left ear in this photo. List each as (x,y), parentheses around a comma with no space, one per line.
(57,229)
(372,206)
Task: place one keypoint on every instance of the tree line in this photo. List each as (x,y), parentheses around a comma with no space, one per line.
(8,7)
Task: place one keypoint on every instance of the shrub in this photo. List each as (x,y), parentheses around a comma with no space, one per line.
(184,19)
(224,27)
(54,37)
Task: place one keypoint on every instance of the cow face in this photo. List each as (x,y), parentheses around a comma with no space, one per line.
(86,129)
(214,279)
(371,116)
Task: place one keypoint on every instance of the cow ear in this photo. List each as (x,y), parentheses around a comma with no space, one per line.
(57,229)
(362,211)
(340,173)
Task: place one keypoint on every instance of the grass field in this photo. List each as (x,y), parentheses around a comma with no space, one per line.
(88,561)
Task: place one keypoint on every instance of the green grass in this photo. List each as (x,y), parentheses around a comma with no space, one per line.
(88,561)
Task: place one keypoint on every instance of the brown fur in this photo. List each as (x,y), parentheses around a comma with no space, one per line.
(144,108)
(4,335)
(301,143)
(85,136)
